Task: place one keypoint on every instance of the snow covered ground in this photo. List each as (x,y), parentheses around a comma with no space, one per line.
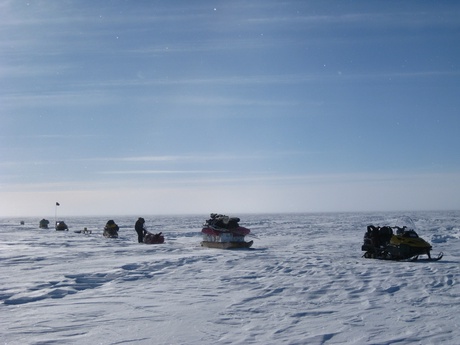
(303,282)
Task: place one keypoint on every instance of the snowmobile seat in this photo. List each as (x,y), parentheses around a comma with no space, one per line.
(373,234)
(371,228)
(385,234)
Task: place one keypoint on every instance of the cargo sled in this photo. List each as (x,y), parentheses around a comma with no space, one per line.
(150,238)
(224,232)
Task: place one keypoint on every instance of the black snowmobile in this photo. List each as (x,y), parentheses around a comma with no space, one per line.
(381,243)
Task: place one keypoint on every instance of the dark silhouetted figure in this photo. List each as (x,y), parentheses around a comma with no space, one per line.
(139,227)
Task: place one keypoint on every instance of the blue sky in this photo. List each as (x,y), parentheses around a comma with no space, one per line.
(157,107)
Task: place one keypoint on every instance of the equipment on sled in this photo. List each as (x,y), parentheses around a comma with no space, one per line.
(381,243)
(43,224)
(150,238)
(224,232)
(61,226)
(111,229)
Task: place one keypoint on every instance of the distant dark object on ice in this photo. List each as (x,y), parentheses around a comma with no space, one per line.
(111,229)
(22,222)
(43,224)
(84,231)
(150,238)
(61,226)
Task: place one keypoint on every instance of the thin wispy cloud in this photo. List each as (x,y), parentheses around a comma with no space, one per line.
(204,156)
(259,179)
(155,172)
(102,92)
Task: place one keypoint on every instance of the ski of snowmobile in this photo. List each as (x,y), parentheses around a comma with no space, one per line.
(439,257)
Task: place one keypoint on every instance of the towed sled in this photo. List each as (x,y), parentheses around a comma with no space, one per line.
(403,244)
(150,238)
(84,231)
(224,232)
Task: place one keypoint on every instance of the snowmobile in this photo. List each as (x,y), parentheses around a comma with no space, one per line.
(382,243)
(224,232)
(111,229)
(150,238)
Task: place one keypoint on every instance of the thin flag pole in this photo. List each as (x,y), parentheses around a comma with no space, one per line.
(55,213)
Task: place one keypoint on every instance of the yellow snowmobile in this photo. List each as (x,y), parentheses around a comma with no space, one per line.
(382,243)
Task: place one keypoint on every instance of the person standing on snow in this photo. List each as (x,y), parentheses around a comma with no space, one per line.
(139,227)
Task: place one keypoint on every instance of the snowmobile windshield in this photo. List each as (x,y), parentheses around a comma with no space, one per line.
(407,222)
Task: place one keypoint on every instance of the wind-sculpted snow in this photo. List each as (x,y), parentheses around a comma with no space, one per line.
(303,282)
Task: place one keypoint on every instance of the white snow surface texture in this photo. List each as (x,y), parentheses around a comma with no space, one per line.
(303,282)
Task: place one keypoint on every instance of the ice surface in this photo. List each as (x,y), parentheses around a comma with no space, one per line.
(303,282)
